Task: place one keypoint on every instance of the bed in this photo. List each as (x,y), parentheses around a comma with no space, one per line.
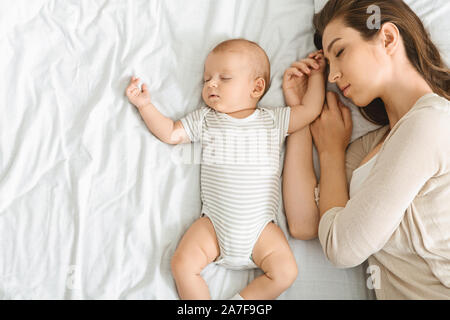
(92,205)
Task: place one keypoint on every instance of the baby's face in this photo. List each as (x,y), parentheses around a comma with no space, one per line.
(228,82)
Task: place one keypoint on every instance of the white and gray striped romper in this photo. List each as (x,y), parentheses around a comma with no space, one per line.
(240,175)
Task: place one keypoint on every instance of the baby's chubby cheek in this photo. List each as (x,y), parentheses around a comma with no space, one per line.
(213,104)
(217,106)
(216,103)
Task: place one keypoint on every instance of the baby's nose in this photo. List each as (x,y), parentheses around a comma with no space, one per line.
(212,83)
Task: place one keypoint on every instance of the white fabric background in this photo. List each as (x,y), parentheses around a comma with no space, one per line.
(92,205)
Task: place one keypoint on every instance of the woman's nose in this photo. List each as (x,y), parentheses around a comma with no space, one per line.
(334,75)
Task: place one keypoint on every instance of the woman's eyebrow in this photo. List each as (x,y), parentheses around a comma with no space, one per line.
(331,44)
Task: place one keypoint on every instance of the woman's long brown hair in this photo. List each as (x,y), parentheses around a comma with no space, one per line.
(421,51)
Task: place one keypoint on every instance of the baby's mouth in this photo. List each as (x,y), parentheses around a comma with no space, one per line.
(212,96)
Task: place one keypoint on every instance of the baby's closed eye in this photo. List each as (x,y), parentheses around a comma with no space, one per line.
(224,78)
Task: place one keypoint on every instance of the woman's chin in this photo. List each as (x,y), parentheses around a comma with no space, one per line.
(359,101)
(359,104)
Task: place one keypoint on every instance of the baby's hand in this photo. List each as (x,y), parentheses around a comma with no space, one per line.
(294,86)
(140,98)
(295,78)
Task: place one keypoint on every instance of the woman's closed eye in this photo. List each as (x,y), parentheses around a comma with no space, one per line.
(339,53)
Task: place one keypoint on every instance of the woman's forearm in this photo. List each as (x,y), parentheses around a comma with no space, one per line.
(333,181)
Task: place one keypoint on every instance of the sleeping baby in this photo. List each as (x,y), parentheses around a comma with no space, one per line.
(240,168)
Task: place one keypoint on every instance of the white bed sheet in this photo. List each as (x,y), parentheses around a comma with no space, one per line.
(92,206)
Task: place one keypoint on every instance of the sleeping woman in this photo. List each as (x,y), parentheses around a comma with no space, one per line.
(386,196)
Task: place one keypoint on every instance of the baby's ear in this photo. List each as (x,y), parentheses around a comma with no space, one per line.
(258,90)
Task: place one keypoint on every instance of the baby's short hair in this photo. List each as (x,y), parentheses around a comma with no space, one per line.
(261,63)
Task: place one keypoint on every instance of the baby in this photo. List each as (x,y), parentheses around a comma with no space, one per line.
(240,168)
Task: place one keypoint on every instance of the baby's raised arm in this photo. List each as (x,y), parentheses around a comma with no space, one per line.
(304,110)
(165,129)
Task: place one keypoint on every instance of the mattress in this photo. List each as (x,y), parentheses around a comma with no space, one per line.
(92,205)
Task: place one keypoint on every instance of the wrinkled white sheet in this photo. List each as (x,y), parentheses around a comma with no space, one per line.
(92,205)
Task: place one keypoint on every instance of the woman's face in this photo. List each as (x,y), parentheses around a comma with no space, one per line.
(355,64)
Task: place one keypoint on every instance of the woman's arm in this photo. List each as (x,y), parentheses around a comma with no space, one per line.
(299,181)
(333,181)
(415,151)
(333,175)
(332,132)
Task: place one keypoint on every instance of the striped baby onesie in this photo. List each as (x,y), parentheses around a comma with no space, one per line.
(241,164)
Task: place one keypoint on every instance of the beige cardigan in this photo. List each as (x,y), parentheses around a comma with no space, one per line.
(400,218)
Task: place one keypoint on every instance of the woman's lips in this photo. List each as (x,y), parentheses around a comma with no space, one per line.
(345,91)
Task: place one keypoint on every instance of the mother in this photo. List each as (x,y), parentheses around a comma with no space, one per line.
(398,214)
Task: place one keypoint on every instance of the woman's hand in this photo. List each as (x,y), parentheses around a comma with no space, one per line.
(295,78)
(140,98)
(332,130)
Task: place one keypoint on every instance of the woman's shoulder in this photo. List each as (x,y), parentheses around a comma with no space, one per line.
(433,101)
(368,141)
(430,116)
(431,110)
(429,107)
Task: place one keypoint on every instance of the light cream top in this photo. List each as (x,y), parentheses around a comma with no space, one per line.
(399,218)
(360,175)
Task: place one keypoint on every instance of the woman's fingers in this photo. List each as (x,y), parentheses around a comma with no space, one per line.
(346,115)
(312,126)
(311,63)
(308,62)
(332,102)
(301,66)
(305,65)
(293,71)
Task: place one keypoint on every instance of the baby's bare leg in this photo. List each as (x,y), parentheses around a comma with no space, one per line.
(196,250)
(274,256)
